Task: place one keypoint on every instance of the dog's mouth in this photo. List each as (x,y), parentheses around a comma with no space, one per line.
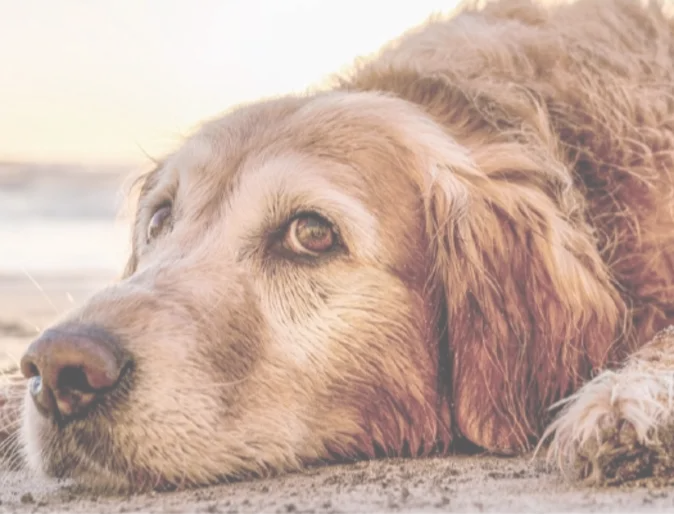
(91,459)
(73,448)
(84,449)
(89,454)
(106,472)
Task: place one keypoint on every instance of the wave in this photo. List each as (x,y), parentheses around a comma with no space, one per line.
(34,191)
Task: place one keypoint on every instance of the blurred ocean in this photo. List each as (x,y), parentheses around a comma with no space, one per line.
(60,219)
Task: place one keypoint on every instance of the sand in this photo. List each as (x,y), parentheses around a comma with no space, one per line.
(448,484)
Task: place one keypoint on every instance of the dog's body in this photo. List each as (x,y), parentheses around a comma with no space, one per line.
(456,236)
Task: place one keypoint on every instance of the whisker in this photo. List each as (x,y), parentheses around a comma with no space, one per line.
(41,290)
(13,371)
(11,398)
(11,442)
(10,427)
(10,453)
(12,386)
(10,412)
(10,391)
(15,462)
(11,394)
(221,384)
(10,416)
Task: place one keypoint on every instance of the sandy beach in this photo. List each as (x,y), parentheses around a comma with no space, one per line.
(450,484)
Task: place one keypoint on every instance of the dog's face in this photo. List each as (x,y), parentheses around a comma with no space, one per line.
(277,308)
(329,276)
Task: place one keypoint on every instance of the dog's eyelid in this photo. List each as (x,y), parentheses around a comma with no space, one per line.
(285,242)
(168,202)
(318,212)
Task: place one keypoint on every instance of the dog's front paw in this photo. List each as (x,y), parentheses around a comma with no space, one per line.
(618,427)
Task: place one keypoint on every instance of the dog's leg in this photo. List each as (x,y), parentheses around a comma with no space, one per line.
(620,425)
(12,388)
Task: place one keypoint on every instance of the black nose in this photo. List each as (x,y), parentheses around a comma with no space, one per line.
(71,366)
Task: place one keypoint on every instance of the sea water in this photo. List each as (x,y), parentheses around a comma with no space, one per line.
(71,245)
(58,219)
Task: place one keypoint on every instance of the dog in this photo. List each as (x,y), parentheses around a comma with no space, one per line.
(427,254)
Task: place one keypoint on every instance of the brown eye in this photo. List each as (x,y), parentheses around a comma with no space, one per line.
(158,222)
(310,234)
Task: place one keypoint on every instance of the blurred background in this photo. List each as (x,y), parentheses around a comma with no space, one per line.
(90,90)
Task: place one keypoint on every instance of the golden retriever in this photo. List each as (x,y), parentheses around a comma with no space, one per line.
(430,252)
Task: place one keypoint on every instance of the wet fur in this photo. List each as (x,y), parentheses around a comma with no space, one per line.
(530,153)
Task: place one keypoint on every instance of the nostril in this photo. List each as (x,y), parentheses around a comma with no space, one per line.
(74,379)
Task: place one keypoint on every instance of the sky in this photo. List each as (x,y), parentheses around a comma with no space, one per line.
(109,81)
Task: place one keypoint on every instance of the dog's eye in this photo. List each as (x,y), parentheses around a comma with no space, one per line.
(310,234)
(158,222)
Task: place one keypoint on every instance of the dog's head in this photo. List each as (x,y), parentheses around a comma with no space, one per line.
(316,277)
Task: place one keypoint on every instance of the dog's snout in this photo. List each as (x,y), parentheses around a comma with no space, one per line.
(71,366)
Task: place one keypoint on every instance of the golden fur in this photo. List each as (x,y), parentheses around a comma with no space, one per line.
(503,183)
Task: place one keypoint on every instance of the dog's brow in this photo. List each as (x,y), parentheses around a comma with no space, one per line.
(148,181)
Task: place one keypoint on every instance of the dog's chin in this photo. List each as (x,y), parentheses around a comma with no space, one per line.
(82,456)
(65,461)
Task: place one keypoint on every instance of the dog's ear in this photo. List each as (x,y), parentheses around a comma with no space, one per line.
(531,309)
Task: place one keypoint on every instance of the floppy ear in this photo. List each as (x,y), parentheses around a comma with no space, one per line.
(530,306)
(531,310)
